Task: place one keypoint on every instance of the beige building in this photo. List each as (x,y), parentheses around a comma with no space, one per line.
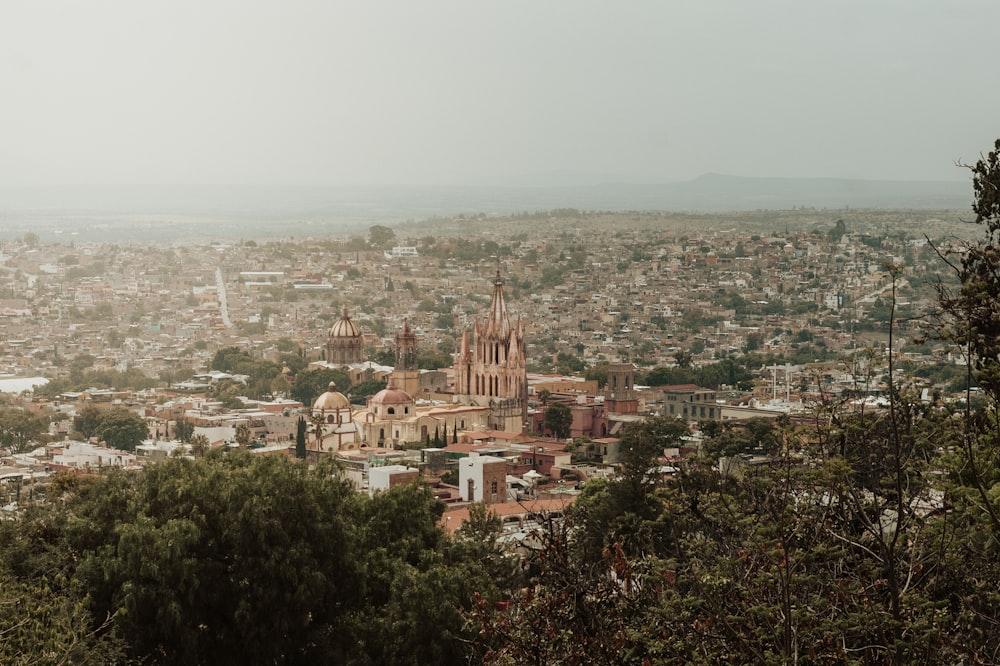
(690,402)
(393,417)
(333,427)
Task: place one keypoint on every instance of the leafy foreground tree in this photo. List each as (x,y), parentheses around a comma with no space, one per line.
(871,536)
(43,627)
(841,561)
(236,559)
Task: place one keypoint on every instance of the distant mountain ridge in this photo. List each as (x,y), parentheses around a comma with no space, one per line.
(707,193)
(743,192)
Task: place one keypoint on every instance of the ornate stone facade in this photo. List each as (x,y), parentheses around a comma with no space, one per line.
(491,370)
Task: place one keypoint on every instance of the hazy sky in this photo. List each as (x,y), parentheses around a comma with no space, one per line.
(477,91)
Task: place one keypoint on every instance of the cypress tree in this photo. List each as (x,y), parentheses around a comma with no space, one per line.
(300,438)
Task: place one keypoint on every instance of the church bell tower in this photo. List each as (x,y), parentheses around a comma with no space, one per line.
(405,375)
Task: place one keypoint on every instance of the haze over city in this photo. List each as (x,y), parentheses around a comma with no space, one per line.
(498,94)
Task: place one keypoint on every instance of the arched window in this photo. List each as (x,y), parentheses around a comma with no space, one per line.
(391,410)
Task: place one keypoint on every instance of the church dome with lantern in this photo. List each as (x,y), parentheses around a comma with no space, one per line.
(392,403)
(332,400)
(344,327)
(344,345)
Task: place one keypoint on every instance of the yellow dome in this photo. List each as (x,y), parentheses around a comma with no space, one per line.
(391,396)
(344,327)
(332,399)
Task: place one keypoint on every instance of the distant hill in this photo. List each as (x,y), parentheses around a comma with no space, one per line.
(715,192)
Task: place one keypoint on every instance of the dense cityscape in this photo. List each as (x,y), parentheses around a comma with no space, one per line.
(525,400)
(499,334)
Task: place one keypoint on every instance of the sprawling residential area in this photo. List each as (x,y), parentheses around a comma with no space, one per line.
(561,437)
(613,318)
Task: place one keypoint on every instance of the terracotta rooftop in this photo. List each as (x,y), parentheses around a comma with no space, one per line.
(453,518)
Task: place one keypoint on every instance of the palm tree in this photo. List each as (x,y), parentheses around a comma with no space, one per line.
(199,445)
(243,435)
(318,424)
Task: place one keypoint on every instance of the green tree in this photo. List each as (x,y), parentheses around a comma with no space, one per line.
(300,438)
(663,376)
(644,442)
(383,356)
(243,435)
(183,430)
(627,509)
(173,604)
(173,555)
(42,625)
(228,392)
(381,237)
(231,360)
(310,384)
(569,364)
(360,392)
(87,421)
(122,429)
(598,372)
(293,361)
(79,364)
(558,418)
(838,231)
(19,428)
(433,359)
(199,445)
(279,385)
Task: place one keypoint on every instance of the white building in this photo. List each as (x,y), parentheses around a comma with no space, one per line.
(483,479)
